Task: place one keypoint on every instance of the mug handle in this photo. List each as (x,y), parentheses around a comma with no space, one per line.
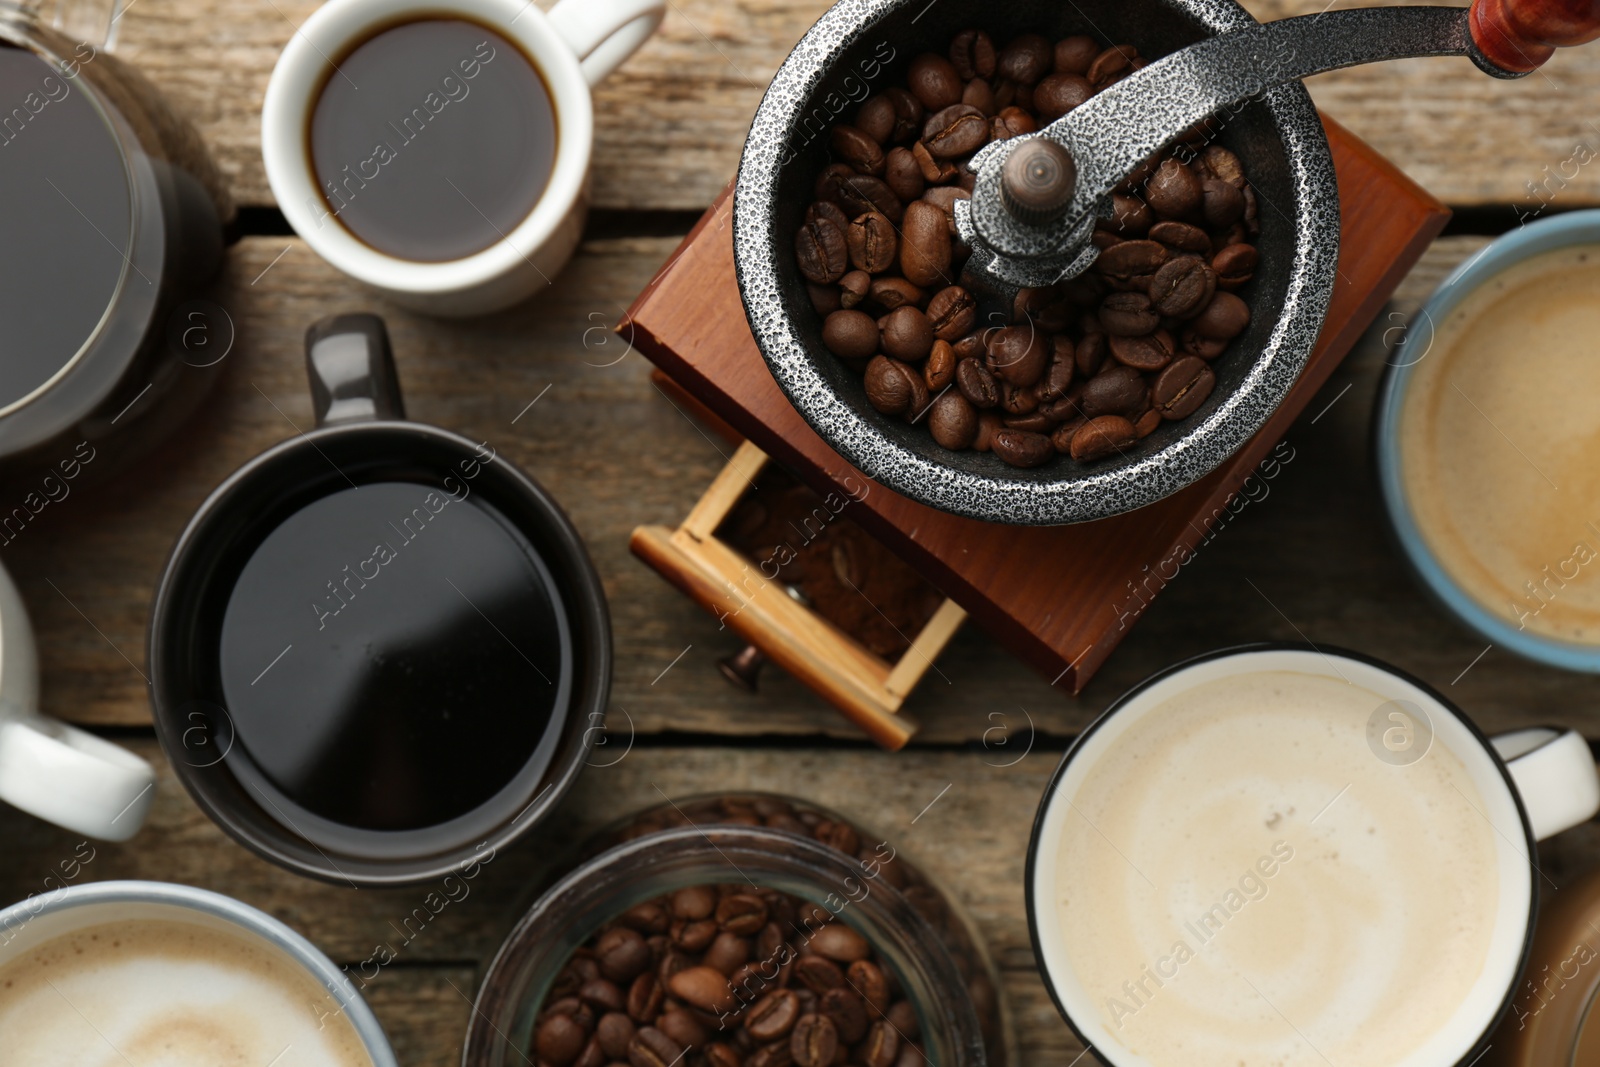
(351,367)
(604,33)
(1555,775)
(58,772)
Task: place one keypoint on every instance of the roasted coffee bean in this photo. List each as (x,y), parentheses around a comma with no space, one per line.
(1022,448)
(934,171)
(601,995)
(1090,354)
(1146,424)
(1017,355)
(1181,237)
(615,1030)
(622,954)
(814,1041)
(825,299)
(1104,240)
(831,181)
(722,1054)
(939,373)
(1235,265)
(1061,436)
(652,1048)
(933,80)
(924,246)
(1128,314)
(1026,59)
(890,293)
(1173,191)
(979,94)
(902,1016)
(848,1012)
(907,335)
(1130,218)
(1018,399)
(861,193)
(1221,163)
(872,243)
(818,974)
(952,311)
(866,977)
(971,347)
(1012,122)
(728,951)
(560,1039)
(853,288)
(977,384)
(957,130)
(1196,344)
(1110,65)
(683,1028)
(882,1045)
(989,424)
(1132,264)
(1058,94)
(1038,422)
(1116,390)
(773,1015)
(902,175)
(1224,318)
(1074,55)
(1182,388)
(944,198)
(858,149)
(693,936)
(1101,437)
(1182,286)
(702,987)
(774,1055)
(1148,353)
(876,119)
(908,114)
(972,53)
(644,998)
(838,942)
(1058,372)
(742,913)
(1221,203)
(823,209)
(822,252)
(888,385)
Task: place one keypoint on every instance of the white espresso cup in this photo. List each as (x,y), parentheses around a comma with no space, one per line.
(574,47)
(196,978)
(58,772)
(1239,862)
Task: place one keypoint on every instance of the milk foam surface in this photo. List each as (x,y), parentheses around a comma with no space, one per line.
(1243,883)
(154,993)
(1500,444)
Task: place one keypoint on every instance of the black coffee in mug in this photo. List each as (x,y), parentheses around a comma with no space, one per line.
(392,656)
(433,139)
(379,650)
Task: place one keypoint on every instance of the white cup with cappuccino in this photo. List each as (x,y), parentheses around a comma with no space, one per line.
(1289,856)
(117,973)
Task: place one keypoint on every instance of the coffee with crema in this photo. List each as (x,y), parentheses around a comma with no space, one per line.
(1242,882)
(160,993)
(1498,437)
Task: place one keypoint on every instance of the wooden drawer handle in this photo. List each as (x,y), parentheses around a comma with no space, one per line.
(1519,35)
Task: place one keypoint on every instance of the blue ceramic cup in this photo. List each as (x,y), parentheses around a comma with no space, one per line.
(1463,284)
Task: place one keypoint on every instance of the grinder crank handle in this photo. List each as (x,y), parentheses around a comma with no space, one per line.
(1032,219)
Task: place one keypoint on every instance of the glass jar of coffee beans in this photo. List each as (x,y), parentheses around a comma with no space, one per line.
(743,930)
(1081,369)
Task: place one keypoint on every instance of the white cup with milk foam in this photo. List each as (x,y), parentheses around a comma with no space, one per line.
(149,972)
(55,771)
(1286,855)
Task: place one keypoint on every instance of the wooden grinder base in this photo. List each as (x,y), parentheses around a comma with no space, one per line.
(1061,597)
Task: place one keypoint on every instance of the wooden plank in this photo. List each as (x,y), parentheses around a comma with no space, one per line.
(617,453)
(671,123)
(972,837)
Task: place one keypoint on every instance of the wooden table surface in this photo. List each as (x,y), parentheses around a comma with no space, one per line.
(1307,559)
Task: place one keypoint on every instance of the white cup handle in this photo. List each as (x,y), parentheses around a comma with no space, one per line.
(1555,775)
(604,33)
(74,779)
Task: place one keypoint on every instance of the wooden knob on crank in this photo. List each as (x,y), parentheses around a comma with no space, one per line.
(1519,35)
(1037,182)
